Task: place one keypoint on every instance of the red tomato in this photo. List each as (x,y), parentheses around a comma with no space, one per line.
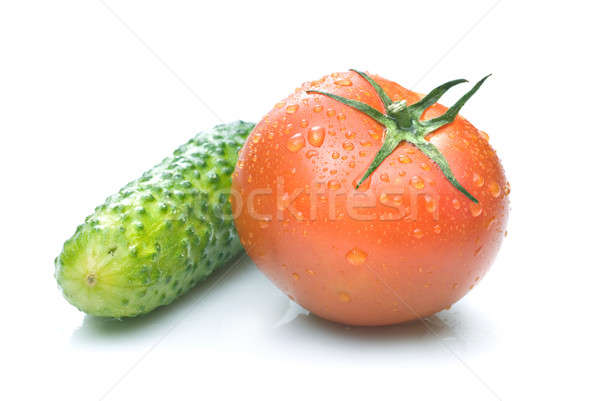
(404,245)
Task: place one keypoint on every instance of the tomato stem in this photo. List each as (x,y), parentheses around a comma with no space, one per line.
(403,123)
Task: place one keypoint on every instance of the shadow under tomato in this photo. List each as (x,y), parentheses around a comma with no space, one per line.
(461,329)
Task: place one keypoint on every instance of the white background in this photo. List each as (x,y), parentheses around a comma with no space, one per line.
(93,93)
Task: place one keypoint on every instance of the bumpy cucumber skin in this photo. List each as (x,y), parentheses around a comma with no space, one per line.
(160,234)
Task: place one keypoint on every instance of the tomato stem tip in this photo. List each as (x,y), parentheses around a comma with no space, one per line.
(403,123)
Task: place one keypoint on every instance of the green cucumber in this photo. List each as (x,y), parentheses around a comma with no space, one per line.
(160,234)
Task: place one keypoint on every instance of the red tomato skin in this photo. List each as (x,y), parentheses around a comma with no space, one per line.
(352,265)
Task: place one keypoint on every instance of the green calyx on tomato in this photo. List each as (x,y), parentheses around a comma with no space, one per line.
(403,123)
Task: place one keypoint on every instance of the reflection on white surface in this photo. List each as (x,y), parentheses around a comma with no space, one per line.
(291,313)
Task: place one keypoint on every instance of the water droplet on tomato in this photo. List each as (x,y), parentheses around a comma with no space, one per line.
(344,297)
(418,233)
(478,180)
(437,229)
(330,112)
(356,256)
(350,134)
(283,201)
(318,108)
(304,123)
(347,145)
(456,203)
(291,109)
(476,209)
(384,177)
(311,153)
(507,188)
(295,276)
(373,134)
(335,155)
(404,159)
(417,182)
(316,135)
(494,189)
(430,204)
(333,185)
(343,82)
(295,143)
